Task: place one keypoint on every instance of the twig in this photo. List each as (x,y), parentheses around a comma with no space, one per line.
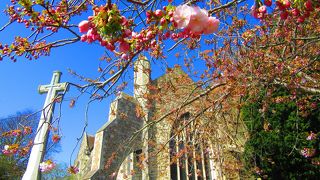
(6,25)
(56,44)
(176,44)
(138,2)
(225,6)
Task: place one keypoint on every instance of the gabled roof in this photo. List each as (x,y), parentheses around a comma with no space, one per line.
(171,71)
(86,143)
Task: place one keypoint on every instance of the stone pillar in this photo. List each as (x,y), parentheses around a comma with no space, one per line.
(141,82)
(212,164)
(97,154)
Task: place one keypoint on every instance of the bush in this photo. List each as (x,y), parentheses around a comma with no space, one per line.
(283,143)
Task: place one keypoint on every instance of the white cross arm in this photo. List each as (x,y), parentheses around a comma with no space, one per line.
(54,86)
(57,87)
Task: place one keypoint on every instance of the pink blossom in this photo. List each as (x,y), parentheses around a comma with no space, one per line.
(212,25)
(268,2)
(308,152)
(286,3)
(134,34)
(110,46)
(149,34)
(295,12)
(56,138)
(90,35)
(163,21)
(148,13)
(9,150)
(127,32)
(27,130)
(6,152)
(103,43)
(198,20)
(124,56)
(83,37)
(124,46)
(158,13)
(182,16)
(194,20)
(311,136)
(263,9)
(255,12)
(96,37)
(90,18)
(16,133)
(124,20)
(83,26)
(153,42)
(167,35)
(47,166)
(284,15)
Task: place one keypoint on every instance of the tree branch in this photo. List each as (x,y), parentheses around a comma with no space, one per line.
(139,3)
(6,25)
(224,6)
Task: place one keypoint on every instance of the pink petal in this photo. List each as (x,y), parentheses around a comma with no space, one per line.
(212,25)
(83,26)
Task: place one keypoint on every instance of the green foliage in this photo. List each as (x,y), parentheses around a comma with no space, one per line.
(279,125)
(108,22)
(13,166)
(9,169)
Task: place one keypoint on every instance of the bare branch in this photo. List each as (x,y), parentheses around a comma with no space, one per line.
(56,44)
(308,89)
(6,25)
(176,44)
(225,6)
(139,3)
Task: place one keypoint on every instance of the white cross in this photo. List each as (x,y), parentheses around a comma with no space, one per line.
(38,149)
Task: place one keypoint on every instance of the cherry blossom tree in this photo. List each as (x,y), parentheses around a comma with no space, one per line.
(16,138)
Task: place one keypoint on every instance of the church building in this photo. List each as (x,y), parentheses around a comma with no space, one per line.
(143,140)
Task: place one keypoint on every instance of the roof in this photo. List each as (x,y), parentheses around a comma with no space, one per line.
(90,141)
(176,71)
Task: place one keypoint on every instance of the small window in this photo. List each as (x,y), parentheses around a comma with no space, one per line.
(185,116)
(137,153)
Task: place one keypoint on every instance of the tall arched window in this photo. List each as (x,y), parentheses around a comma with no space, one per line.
(189,158)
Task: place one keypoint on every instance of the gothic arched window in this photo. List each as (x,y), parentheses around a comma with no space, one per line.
(189,159)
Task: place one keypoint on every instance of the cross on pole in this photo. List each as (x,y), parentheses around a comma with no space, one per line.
(38,149)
